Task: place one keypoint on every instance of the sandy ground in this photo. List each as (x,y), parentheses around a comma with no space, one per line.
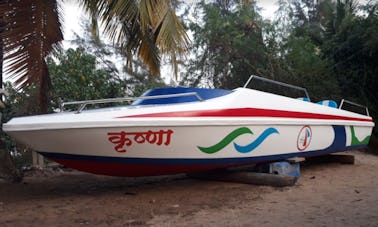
(326,195)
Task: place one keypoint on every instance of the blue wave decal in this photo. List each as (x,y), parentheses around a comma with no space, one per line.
(250,147)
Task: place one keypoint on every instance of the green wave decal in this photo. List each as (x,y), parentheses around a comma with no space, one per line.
(355,140)
(226,140)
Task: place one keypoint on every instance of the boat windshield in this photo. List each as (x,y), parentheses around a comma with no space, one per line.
(193,95)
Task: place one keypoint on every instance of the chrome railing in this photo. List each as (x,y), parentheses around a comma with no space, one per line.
(354,104)
(84,103)
(278,83)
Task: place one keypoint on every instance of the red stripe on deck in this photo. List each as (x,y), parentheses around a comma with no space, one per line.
(249,112)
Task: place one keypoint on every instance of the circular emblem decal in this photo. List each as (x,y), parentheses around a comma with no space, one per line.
(304,138)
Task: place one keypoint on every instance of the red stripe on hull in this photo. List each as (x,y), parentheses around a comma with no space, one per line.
(137,170)
(249,112)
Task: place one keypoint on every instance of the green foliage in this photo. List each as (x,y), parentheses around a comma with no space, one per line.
(228,45)
(75,75)
(331,48)
(18,103)
(353,47)
(305,67)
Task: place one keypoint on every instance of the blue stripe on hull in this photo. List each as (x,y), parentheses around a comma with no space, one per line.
(192,161)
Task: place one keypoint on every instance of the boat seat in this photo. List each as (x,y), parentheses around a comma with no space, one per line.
(304,99)
(329,103)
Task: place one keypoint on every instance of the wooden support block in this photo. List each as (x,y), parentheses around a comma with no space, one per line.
(332,158)
(247,178)
(295,160)
(38,160)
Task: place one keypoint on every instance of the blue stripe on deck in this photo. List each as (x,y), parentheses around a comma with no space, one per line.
(204,93)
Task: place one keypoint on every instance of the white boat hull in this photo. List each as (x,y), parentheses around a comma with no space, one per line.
(140,151)
(230,130)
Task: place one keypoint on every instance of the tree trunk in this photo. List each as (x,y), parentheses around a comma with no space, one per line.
(8,169)
(1,54)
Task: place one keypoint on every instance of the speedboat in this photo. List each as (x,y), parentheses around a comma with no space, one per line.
(184,130)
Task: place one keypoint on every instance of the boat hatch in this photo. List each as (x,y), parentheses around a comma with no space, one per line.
(203,93)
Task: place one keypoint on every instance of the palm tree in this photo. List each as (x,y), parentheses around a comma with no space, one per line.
(2,25)
(147,28)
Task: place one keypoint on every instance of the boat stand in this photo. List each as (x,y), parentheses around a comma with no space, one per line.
(38,160)
(276,174)
(246,177)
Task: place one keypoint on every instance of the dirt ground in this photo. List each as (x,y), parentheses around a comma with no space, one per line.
(325,195)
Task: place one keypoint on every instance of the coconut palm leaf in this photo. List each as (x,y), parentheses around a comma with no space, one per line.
(148,28)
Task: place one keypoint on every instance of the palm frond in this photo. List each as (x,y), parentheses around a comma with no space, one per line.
(32,30)
(170,34)
(148,28)
(150,54)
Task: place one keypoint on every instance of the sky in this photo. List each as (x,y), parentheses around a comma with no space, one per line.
(71,17)
(268,8)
